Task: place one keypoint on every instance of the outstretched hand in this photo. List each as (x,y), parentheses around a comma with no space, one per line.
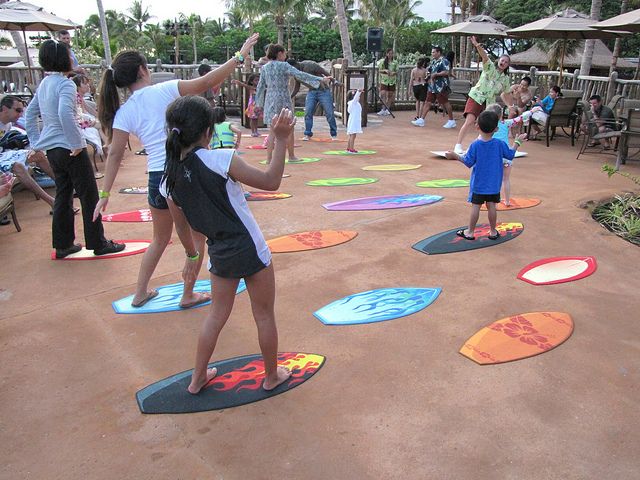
(522,137)
(248,44)
(282,124)
(474,41)
(451,155)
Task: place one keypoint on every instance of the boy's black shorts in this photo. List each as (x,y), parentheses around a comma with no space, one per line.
(480,198)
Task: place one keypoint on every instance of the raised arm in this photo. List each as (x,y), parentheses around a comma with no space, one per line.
(481,51)
(269,179)
(215,77)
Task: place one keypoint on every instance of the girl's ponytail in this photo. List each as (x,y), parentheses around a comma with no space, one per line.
(173,163)
(109,102)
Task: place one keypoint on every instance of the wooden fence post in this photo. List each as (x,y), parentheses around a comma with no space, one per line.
(574,84)
(532,74)
(611,90)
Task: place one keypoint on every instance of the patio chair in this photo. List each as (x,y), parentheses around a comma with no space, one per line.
(563,115)
(590,130)
(7,207)
(630,137)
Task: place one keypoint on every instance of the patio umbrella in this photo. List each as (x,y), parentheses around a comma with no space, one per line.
(629,22)
(482,25)
(567,24)
(478,25)
(28,17)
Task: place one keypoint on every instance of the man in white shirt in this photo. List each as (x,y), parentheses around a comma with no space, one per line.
(17,160)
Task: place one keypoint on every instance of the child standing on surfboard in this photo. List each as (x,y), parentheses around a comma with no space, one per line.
(504,127)
(206,185)
(354,124)
(485,156)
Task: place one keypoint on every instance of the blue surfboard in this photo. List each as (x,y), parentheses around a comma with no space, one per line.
(377,305)
(168,298)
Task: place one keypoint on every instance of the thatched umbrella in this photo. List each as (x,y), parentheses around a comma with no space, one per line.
(564,25)
(629,22)
(26,16)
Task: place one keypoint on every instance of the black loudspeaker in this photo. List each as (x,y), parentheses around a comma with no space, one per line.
(374,39)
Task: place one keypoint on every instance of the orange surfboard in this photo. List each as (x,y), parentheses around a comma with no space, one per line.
(516,203)
(517,337)
(312,240)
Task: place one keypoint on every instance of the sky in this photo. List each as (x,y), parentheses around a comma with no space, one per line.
(79,11)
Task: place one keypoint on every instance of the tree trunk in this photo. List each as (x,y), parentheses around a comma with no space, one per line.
(587,57)
(105,32)
(280,27)
(341,18)
(618,44)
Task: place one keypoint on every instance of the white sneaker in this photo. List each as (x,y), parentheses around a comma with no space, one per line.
(418,122)
(306,138)
(458,149)
(382,112)
(450,124)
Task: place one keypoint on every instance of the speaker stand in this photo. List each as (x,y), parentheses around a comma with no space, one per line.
(373,89)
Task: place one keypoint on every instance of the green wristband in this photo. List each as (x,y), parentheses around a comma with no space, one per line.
(195,258)
(517,142)
(103,194)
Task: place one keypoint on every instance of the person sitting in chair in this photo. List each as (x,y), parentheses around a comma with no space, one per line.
(15,157)
(604,120)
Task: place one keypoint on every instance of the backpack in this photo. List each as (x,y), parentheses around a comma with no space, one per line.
(14,140)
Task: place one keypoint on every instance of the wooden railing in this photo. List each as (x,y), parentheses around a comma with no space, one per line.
(16,78)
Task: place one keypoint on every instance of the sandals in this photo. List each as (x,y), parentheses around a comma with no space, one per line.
(203,297)
(150,296)
(461,233)
(494,237)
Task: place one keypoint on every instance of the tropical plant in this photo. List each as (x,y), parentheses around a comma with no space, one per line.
(621,216)
(139,14)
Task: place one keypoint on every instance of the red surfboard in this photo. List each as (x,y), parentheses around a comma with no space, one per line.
(133,247)
(549,271)
(239,381)
(141,215)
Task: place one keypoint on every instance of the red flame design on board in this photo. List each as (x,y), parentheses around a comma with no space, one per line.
(251,375)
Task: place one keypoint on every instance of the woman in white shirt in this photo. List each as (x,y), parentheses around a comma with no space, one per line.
(143,115)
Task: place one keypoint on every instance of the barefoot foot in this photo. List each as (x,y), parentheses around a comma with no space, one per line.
(282,375)
(197,383)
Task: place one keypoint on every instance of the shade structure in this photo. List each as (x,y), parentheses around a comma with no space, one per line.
(478,25)
(28,17)
(564,25)
(629,22)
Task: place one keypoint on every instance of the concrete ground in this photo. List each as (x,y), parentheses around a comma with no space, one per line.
(395,400)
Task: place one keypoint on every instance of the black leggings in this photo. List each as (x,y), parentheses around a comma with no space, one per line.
(74,173)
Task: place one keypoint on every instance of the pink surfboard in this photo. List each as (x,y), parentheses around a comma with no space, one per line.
(141,215)
(133,247)
(549,271)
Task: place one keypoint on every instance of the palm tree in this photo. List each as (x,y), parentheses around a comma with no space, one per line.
(341,18)
(139,14)
(104,29)
(157,37)
(587,56)
(400,15)
(617,46)
(278,10)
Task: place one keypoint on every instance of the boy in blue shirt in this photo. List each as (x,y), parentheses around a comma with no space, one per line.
(485,156)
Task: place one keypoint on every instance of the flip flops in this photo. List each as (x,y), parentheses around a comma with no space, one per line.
(150,295)
(460,233)
(204,298)
(494,237)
